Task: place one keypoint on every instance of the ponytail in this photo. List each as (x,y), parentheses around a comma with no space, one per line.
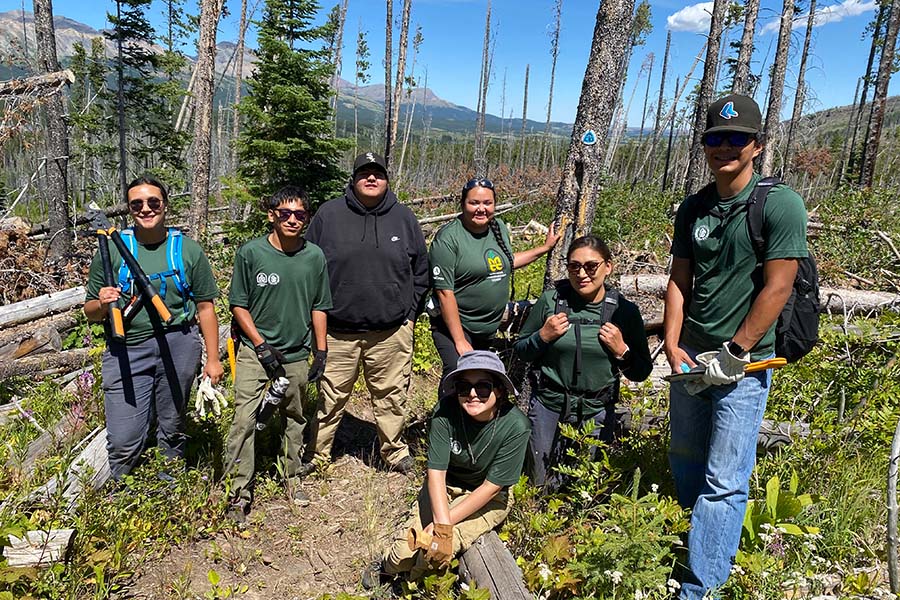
(495,229)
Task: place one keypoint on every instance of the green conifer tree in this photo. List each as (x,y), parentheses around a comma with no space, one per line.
(288,136)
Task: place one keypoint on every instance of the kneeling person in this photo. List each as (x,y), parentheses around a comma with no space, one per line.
(476,447)
(279,292)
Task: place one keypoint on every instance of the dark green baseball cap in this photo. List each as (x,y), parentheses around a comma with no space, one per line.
(733,113)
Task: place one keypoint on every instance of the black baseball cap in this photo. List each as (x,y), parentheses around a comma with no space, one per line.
(369,158)
(733,113)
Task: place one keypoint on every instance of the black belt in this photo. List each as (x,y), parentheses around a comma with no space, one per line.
(607,394)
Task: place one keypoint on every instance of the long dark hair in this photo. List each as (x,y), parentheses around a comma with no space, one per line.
(494,226)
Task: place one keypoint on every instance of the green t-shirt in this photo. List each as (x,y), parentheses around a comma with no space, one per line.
(281,290)
(600,368)
(152,259)
(475,268)
(498,445)
(726,277)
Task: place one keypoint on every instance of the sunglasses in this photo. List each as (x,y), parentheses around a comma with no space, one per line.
(283,214)
(153,204)
(478,182)
(482,388)
(590,267)
(736,139)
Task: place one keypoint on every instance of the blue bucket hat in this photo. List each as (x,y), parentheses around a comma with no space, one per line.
(477,360)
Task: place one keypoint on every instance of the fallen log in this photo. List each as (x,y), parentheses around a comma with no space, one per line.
(28,310)
(68,361)
(66,427)
(114,211)
(26,85)
(451,216)
(45,339)
(39,548)
(491,566)
(833,299)
(91,466)
(60,322)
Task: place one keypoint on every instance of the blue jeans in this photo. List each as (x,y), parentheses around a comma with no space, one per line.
(712,453)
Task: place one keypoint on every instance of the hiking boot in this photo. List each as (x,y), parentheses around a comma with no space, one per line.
(299,497)
(237,513)
(306,469)
(405,465)
(371,575)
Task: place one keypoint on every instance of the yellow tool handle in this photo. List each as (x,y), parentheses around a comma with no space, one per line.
(762,365)
(232,360)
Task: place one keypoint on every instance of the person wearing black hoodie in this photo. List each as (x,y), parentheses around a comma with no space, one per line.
(378,269)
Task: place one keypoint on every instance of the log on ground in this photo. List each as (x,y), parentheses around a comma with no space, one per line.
(45,339)
(67,361)
(66,427)
(61,323)
(91,466)
(492,567)
(39,548)
(33,308)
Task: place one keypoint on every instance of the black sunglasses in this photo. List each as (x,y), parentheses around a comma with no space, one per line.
(478,182)
(284,214)
(590,268)
(736,139)
(482,388)
(153,204)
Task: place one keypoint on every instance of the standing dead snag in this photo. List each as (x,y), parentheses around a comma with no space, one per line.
(800,94)
(776,89)
(583,171)
(741,82)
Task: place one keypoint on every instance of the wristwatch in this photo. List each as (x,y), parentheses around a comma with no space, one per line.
(736,349)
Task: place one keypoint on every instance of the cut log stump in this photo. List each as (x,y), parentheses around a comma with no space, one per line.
(39,548)
(491,566)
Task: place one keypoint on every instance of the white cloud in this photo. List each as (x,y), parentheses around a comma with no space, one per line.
(694,18)
(827,14)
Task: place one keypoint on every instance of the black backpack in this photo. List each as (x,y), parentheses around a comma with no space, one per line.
(797,330)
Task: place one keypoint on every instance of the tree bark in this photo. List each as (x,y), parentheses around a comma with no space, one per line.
(336,75)
(800,94)
(206,55)
(524,120)
(238,83)
(776,89)
(57,164)
(704,97)
(879,97)
(741,82)
(582,174)
(851,123)
(388,74)
(398,83)
(483,83)
(867,81)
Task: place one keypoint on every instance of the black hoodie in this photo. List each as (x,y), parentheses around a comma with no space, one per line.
(377,262)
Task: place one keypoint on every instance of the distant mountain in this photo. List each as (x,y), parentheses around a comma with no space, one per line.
(445,116)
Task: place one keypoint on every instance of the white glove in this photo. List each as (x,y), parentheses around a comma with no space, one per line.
(695,386)
(726,368)
(206,393)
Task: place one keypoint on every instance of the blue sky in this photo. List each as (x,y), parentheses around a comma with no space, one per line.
(454,29)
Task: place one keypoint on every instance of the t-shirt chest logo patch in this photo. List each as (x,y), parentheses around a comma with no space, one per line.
(455,447)
(494,263)
(264,279)
(701,232)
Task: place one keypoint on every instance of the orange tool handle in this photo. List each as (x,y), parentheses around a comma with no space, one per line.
(762,365)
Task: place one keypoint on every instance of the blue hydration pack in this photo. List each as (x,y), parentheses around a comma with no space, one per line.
(174,262)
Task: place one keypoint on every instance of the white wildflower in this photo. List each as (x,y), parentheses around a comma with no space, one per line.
(654,488)
(545,572)
(615,576)
(672,586)
(638,595)
(737,570)
(585,496)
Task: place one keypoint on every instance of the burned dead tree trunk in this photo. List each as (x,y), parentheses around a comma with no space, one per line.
(582,173)
(741,82)
(772,125)
(800,94)
(57,163)
(398,84)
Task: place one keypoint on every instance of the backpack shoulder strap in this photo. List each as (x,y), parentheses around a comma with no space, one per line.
(610,304)
(125,276)
(756,209)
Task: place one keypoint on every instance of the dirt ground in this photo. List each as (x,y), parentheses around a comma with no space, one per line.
(290,552)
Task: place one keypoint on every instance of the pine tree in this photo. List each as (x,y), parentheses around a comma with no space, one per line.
(289,135)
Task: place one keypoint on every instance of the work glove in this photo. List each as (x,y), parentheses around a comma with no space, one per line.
(440,551)
(725,368)
(417,539)
(270,358)
(207,394)
(695,386)
(318,365)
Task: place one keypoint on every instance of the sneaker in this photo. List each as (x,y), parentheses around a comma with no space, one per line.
(371,575)
(306,469)
(299,497)
(405,465)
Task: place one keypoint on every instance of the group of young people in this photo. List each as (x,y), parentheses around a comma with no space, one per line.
(349,291)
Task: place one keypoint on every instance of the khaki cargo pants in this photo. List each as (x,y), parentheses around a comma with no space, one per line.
(386,358)
(398,558)
(249,389)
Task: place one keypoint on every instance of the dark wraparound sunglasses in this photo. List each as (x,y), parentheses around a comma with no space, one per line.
(482,388)
(283,214)
(736,139)
(478,182)
(153,204)
(589,267)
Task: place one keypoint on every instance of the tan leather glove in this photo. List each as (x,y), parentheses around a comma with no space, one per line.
(440,551)
(417,539)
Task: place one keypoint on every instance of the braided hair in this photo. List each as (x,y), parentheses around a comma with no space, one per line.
(495,229)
